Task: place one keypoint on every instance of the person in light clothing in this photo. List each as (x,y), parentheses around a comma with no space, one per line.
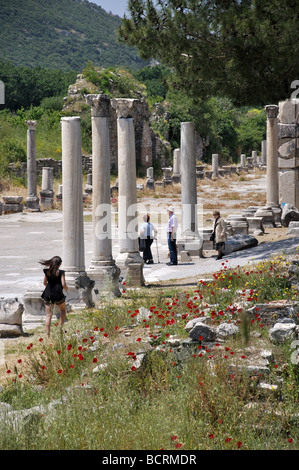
(220,233)
(148,232)
(172,227)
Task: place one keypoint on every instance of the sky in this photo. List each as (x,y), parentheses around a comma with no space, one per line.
(117,7)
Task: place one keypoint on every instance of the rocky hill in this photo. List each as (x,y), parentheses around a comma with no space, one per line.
(61,34)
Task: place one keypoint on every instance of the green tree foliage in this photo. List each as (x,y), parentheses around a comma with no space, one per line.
(25,87)
(225,129)
(244,49)
(155,79)
(61,34)
(251,129)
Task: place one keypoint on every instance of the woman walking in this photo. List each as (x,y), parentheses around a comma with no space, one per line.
(54,280)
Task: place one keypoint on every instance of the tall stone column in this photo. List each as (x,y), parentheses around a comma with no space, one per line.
(176,171)
(190,237)
(264,152)
(188,178)
(127,194)
(72,211)
(32,200)
(272,155)
(102,268)
(215,165)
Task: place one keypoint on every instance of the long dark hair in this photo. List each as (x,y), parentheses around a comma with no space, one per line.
(53,264)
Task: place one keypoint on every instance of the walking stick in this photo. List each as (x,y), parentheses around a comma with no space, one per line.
(157,251)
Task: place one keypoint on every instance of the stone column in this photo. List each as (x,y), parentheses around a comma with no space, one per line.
(189,228)
(72,211)
(32,200)
(102,268)
(254,157)
(47,193)
(127,194)
(188,178)
(243,160)
(215,165)
(272,156)
(288,152)
(150,182)
(176,172)
(167,175)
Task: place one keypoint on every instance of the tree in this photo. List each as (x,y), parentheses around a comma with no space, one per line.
(25,86)
(244,49)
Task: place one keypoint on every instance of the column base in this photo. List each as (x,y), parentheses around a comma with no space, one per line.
(46,198)
(32,203)
(79,289)
(124,259)
(132,266)
(190,243)
(176,178)
(134,275)
(106,280)
(276,208)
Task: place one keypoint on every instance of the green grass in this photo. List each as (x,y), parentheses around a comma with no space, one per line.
(201,400)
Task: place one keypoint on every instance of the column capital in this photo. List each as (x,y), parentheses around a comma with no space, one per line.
(100,104)
(272,111)
(31,125)
(124,107)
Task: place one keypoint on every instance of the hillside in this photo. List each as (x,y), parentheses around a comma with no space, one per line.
(61,34)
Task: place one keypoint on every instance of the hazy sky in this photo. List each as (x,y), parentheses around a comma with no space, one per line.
(117,7)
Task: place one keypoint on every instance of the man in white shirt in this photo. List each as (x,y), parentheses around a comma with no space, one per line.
(172,227)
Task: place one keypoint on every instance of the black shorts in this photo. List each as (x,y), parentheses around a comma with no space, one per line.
(54,302)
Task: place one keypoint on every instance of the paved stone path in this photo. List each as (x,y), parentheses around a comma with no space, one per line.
(25,238)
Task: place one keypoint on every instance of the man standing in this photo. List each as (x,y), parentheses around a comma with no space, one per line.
(172,227)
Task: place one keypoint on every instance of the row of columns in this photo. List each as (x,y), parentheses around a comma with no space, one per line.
(103,268)
(103,271)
